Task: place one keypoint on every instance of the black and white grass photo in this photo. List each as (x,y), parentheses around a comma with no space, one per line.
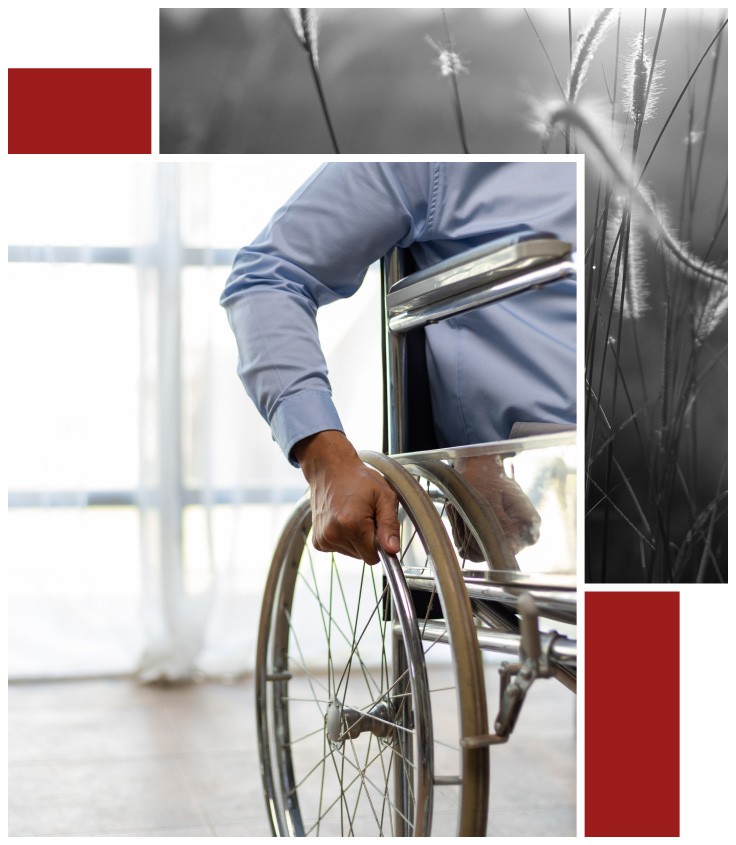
(642,93)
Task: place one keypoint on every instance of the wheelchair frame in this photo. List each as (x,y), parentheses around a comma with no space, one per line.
(493,608)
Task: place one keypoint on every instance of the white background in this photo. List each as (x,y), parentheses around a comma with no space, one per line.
(73,34)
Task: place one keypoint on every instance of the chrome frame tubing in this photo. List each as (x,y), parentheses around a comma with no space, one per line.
(563,650)
(496,447)
(398,322)
(554,595)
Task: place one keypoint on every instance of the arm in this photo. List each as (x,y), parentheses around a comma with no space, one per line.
(316,249)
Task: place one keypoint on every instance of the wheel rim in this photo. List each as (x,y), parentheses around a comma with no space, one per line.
(297,785)
(366,718)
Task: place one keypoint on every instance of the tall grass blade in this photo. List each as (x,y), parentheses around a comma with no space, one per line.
(304,22)
(544,49)
(706,120)
(682,94)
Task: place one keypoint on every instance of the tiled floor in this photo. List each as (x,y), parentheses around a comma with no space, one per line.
(113,758)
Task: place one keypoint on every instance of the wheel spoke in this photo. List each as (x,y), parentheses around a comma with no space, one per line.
(306,777)
(434,642)
(383,695)
(369,781)
(357,643)
(310,676)
(331,667)
(402,757)
(408,545)
(386,799)
(367,674)
(405,761)
(322,782)
(363,779)
(382,625)
(436,689)
(446,797)
(345,789)
(446,745)
(360,788)
(344,803)
(348,640)
(322,611)
(341,797)
(349,665)
(386,780)
(429,607)
(306,736)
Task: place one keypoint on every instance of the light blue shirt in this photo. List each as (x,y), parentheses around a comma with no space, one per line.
(489,368)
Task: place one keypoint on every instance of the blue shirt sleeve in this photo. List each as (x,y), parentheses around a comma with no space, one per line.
(316,249)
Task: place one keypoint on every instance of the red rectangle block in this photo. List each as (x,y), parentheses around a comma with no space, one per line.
(79,110)
(632,714)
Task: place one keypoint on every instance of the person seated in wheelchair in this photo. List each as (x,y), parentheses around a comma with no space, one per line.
(502,365)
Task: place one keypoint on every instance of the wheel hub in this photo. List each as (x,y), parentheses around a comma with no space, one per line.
(343,722)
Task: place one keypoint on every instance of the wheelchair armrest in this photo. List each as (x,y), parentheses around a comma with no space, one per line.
(476,277)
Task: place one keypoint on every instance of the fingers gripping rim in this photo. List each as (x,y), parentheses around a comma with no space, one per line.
(461,629)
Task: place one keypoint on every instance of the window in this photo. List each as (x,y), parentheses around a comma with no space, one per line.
(138,471)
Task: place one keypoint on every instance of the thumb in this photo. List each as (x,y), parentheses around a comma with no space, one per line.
(387,522)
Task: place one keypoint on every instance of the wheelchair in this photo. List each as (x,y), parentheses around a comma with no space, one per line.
(372,716)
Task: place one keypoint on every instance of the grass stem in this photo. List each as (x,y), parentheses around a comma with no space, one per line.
(323,101)
(453,65)
(305,24)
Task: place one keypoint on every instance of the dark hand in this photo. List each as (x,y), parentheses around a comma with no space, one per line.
(518,517)
(351,503)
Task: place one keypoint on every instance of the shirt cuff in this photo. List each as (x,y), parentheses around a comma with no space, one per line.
(300,415)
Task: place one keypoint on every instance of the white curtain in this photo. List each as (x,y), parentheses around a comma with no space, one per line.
(145,492)
(74,575)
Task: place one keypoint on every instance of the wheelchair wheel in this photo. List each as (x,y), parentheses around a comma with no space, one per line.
(359,718)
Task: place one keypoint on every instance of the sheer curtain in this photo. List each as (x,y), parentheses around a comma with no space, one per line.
(145,492)
(74,579)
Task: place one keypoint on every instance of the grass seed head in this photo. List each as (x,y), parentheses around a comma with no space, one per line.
(635,293)
(448,61)
(304,22)
(710,314)
(640,93)
(585,48)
